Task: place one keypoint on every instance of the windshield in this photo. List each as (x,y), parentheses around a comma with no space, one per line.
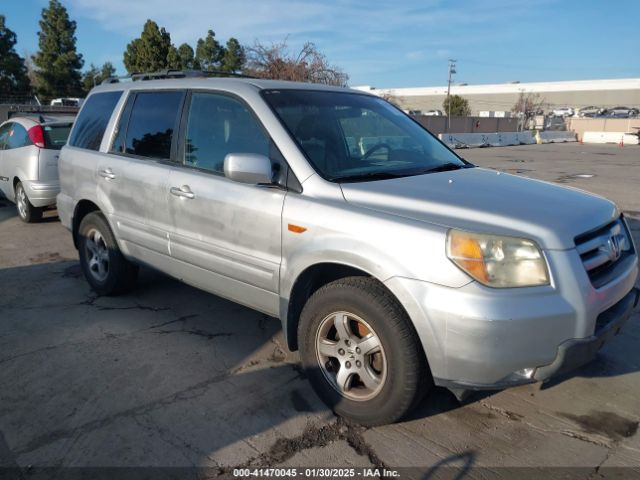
(55,136)
(352,137)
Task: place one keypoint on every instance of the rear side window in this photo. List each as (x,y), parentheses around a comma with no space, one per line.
(93,119)
(17,137)
(55,136)
(4,135)
(151,125)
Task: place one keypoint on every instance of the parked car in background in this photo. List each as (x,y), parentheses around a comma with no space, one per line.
(67,102)
(433,113)
(563,112)
(29,149)
(620,112)
(590,111)
(393,264)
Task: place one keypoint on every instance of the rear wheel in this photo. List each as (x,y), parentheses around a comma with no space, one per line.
(102,262)
(27,212)
(361,353)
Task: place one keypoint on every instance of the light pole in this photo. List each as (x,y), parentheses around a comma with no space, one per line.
(452,70)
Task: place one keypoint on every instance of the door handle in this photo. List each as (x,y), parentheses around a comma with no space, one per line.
(107,173)
(183,191)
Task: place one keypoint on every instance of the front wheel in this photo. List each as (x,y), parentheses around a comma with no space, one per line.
(102,262)
(361,353)
(27,212)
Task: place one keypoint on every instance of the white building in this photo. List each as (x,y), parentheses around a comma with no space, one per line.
(502,97)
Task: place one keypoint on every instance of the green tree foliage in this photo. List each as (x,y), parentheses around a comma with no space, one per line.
(57,62)
(234,57)
(459,106)
(173,58)
(209,52)
(13,72)
(149,52)
(94,76)
(187,57)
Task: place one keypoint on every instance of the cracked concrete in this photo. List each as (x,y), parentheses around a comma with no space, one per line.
(169,376)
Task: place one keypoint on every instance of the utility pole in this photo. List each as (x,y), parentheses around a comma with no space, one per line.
(452,70)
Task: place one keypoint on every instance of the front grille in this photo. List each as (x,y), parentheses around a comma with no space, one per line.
(605,251)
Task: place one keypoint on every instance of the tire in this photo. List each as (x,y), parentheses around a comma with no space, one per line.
(102,262)
(385,385)
(27,212)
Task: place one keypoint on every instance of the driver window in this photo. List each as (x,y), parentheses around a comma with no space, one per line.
(369,134)
(218,125)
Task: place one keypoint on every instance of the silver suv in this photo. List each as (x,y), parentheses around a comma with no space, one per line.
(393,264)
(29,149)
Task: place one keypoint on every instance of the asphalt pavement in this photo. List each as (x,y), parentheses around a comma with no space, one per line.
(170,376)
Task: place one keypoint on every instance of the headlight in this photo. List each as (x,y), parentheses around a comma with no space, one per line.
(498,261)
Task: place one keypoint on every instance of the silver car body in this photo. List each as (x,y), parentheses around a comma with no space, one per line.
(393,230)
(36,168)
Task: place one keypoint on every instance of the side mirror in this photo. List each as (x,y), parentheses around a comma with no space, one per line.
(249,168)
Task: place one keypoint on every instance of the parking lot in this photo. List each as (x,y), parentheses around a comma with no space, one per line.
(170,376)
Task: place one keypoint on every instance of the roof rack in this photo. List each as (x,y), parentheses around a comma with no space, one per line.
(168,74)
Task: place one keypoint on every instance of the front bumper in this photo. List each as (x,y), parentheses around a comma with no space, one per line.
(580,351)
(476,338)
(41,194)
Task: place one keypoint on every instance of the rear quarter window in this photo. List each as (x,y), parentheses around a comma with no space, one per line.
(55,136)
(93,120)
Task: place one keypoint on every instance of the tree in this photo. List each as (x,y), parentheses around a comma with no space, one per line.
(209,52)
(173,58)
(94,76)
(278,62)
(234,56)
(57,62)
(459,106)
(528,106)
(149,52)
(13,71)
(187,57)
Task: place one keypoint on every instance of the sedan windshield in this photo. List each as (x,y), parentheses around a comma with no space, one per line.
(350,137)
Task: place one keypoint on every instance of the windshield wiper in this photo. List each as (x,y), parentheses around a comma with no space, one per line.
(446,167)
(363,177)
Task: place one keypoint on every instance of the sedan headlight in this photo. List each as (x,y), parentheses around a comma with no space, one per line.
(498,261)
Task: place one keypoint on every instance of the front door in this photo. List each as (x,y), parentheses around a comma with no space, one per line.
(226,235)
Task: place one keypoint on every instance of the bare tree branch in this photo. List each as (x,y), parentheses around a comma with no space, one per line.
(276,61)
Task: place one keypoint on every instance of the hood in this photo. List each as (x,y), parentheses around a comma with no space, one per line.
(480,200)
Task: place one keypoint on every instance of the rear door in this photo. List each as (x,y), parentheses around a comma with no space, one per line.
(55,137)
(5,181)
(20,157)
(133,178)
(226,235)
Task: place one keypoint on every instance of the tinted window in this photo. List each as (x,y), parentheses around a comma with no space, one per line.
(218,125)
(17,137)
(353,137)
(152,123)
(121,128)
(93,119)
(55,136)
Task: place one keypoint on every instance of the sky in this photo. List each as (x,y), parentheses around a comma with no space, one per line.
(381,43)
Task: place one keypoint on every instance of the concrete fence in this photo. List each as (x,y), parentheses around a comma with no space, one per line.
(582,125)
(496,139)
(610,137)
(437,125)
